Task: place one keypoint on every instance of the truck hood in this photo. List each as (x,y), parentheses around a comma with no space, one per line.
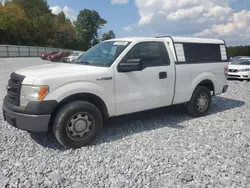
(238,66)
(58,68)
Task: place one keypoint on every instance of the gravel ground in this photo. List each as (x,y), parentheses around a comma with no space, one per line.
(158,148)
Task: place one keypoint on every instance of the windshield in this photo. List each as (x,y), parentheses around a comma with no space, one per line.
(103,54)
(241,62)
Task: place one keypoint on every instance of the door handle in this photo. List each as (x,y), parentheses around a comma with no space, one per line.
(162,75)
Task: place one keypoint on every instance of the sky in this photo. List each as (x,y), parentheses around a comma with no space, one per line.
(223,19)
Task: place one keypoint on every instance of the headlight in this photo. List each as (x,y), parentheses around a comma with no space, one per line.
(32,93)
(244,70)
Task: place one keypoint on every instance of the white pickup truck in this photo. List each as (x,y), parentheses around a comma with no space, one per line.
(116,77)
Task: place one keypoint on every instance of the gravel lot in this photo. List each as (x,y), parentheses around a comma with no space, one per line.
(159,148)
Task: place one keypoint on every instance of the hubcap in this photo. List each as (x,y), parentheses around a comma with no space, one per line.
(80,126)
(202,102)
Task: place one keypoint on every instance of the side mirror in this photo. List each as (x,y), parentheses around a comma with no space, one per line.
(131,65)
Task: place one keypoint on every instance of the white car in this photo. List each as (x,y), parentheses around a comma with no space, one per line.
(232,59)
(113,78)
(72,57)
(239,69)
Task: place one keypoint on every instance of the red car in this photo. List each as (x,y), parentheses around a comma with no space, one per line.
(45,55)
(58,56)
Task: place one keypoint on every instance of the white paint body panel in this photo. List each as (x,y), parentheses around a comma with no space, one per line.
(143,90)
(190,75)
(68,79)
(133,91)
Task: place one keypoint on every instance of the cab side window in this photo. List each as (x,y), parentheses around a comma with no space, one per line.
(149,52)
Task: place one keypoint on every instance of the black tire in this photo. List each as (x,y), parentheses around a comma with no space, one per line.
(64,118)
(192,105)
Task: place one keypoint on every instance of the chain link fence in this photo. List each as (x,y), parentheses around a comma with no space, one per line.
(25,51)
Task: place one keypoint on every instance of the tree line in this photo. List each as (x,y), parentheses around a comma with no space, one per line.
(238,51)
(31,22)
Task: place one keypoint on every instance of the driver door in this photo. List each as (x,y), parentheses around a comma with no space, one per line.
(149,88)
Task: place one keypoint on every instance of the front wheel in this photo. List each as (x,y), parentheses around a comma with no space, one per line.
(77,124)
(200,102)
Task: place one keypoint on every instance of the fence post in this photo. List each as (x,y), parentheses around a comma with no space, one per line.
(7,48)
(19,50)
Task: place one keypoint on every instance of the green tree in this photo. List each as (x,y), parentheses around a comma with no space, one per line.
(13,23)
(62,18)
(65,31)
(30,22)
(108,35)
(42,27)
(32,7)
(95,41)
(39,19)
(87,25)
(238,51)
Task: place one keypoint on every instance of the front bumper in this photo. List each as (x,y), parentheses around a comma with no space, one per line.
(238,75)
(27,122)
(35,117)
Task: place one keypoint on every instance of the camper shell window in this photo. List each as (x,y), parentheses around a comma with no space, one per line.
(198,52)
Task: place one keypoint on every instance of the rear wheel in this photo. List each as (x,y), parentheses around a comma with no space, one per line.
(200,102)
(77,124)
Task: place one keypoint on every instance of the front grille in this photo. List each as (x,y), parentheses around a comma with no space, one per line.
(236,76)
(14,88)
(233,70)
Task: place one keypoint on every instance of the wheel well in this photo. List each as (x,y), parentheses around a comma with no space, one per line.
(208,84)
(93,99)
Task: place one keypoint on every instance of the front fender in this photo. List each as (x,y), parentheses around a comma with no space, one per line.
(64,91)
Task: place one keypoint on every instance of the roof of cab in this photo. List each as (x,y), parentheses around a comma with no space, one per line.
(132,39)
(175,39)
(197,40)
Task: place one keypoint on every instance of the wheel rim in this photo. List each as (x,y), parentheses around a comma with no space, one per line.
(202,102)
(80,126)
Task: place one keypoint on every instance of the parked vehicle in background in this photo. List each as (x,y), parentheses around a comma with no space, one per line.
(78,58)
(232,59)
(239,69)
(113,78)
(73,56)
(48,57)
(58,56)
(44,55)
